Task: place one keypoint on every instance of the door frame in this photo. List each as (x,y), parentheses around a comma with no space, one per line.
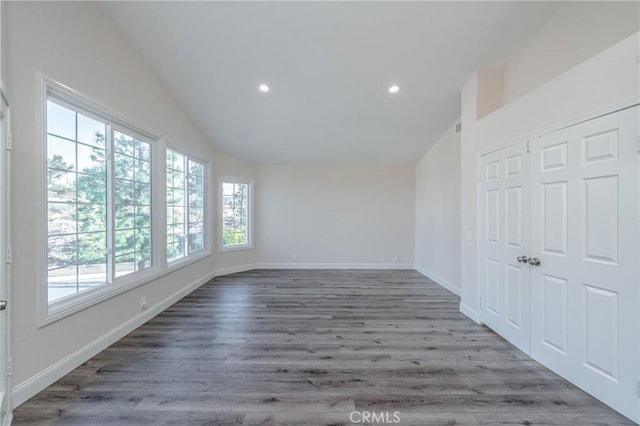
(5,234)
(606,110)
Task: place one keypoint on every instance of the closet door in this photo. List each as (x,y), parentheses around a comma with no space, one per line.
(585,293)
(504,243)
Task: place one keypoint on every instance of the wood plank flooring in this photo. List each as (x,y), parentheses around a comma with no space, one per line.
(284,347)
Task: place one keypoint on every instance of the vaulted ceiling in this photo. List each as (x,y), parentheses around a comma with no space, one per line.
(328,66)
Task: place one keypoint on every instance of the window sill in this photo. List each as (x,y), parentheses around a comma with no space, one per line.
(235,248)
(65,308)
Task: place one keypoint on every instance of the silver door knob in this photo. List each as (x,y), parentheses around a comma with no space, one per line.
(3,305)
(523,259)
(534,261)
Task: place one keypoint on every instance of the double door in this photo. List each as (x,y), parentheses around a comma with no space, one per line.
(559,253)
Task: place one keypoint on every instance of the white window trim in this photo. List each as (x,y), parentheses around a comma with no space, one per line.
(239,247)
(49,313)
(208,209)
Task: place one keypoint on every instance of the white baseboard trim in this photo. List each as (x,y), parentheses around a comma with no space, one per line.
(299,265)
(234,269)
(470,312)
(46,377)
(438,280)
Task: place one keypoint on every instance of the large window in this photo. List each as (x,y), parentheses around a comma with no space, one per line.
(236,214)
(103,197)
(99,184)
(185,205)
(77,201)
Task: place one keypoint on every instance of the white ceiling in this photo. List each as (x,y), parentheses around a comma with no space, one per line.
(329,66)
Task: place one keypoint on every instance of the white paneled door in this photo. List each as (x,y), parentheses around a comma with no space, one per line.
(585,231)
(504,239)
(559,253)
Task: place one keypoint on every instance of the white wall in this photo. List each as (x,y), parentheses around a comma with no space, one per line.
(3,40)
(73,43)
(577,31)
(337,215)
(437,222)
(607,78)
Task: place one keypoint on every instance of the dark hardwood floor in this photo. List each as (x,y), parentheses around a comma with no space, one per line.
(283,347)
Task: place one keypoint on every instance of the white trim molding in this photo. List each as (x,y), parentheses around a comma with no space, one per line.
(438,280)
(234,269)
(333,266)
(470,312)
(30,387)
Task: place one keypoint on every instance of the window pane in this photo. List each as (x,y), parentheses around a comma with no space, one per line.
(62,186)
(143,259)
(177,162)
(196,169)
(143,171)
(62,282)
(91,159)
(61,153)
(62,251)
(227,188)
(123,144)
(142,150)
(124,264)
(91,131)
(178,216)
(92,248)
(61,121)
(124,167)
(62,218)
(143,217)
(92,188)
(124,216)
(143,193)
(196,237)
(90,276)
(125,241)
(124,192)
(92,217)
(235,205)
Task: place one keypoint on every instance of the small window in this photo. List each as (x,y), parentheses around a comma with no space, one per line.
(236,213)
(185,205)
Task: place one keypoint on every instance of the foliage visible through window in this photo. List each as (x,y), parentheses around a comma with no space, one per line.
(77,201)
(87,247)
(185,193)
(235,213)
(132,189)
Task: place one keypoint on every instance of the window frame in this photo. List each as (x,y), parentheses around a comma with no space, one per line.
(68,305)
(238,247)
(206,250)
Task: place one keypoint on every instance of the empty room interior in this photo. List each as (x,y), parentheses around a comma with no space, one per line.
(320,213)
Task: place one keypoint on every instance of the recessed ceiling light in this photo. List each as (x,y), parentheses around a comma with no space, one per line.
(264,88)
(394,89)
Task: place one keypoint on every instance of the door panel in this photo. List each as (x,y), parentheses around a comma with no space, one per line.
(504,235)
(584,228)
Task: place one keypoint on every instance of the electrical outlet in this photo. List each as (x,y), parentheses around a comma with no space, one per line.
(395,257)
(295,257)
(143,303)
(381,258)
